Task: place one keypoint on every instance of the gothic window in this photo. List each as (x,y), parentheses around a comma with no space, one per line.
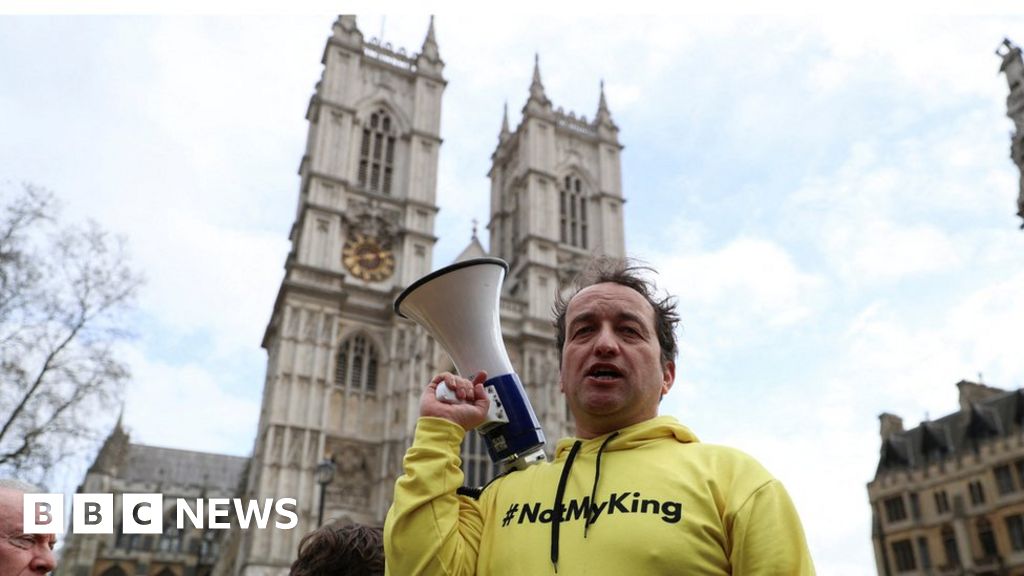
(894,509)
(1015,526)
(987,538)
(572,208)
(941,502)
(476,463)
(1004,479)
(950,546)
(923,553)
(377,153)
(170,541)
(903,551)
(977,493)
(357,367)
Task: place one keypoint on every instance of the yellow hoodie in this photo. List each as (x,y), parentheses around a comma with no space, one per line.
(649,499)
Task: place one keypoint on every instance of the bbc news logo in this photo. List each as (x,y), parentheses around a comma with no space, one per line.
(144,513)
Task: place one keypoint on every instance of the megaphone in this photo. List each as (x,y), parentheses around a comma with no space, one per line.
(459,307)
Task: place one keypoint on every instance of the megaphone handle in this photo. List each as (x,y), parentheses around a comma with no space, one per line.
(443,394)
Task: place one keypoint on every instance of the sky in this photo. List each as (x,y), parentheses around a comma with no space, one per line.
(830,196)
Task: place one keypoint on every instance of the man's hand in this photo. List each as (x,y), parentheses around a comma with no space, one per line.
(471,408)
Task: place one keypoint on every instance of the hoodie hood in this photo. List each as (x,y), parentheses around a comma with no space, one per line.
(630,437)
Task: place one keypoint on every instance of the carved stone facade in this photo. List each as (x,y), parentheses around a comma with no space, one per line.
(1013,67)
(344,373)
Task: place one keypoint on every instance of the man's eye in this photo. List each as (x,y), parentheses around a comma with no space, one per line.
(581,330)
(25,542)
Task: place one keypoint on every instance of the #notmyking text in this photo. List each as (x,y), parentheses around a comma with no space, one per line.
(145,513)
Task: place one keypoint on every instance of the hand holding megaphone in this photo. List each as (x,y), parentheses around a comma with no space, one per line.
(457,399)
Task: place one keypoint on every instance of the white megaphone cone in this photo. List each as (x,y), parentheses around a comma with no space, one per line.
(458,306)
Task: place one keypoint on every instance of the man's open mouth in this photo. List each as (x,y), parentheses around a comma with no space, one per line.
(604,372)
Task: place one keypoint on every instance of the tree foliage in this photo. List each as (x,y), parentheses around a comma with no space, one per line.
(65,291)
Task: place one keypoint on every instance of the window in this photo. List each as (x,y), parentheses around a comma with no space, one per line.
(377,153)
(573,210)
(1019,465)
(170,541)
(1004,479)
(986,538)
(977,492)
(903,552)
(894,509)
(915,506)
(941,502)
(1015,526)
(922,553)
(950,546)
(357,365)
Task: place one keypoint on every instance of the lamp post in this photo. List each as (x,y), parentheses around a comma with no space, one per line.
(324,476)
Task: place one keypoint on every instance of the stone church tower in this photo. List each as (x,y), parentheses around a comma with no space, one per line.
(556,201)
(344,373)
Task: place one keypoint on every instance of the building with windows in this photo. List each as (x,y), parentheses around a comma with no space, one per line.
(948,495)
(122,467)
(344,373)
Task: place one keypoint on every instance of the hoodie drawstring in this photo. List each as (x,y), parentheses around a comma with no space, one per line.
(593,489)
(557,515)
(556,519)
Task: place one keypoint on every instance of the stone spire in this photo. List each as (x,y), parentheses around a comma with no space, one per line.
(429,59)
(114,449)
(429,48)
(603,114)
(606,127)
(538,100)
(505,133)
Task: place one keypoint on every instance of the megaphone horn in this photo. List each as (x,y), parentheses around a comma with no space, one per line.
(459,307)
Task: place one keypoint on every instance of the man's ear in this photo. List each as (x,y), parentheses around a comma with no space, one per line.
(668,377)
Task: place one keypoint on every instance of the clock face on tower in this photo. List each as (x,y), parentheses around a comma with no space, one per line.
(367,259)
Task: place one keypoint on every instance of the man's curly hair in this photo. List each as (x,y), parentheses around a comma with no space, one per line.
(333,550)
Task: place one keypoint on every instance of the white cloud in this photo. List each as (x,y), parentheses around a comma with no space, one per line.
(185,405)
(748,282)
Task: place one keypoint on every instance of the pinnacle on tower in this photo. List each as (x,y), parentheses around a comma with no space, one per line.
(429,49)
(537,100)
(603,115)
(504,125)
(537,87)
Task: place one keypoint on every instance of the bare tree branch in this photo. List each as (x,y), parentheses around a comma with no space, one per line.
(64,294)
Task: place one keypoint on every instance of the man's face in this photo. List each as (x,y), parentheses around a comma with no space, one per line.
(22,554)
(612,374)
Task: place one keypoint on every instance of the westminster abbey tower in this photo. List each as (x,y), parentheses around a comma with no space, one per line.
(344,373)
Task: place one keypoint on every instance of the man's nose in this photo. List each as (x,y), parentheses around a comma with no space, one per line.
(606,343)
(44,561)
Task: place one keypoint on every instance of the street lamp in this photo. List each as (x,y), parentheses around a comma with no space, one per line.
(324,476)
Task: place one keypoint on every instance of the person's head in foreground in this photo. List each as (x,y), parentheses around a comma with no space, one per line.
(21,554)
(333,550)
